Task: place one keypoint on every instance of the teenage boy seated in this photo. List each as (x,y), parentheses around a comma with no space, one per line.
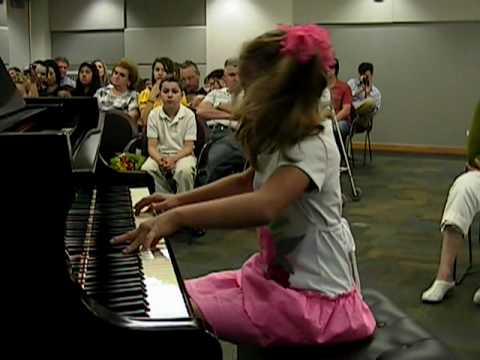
(171,132)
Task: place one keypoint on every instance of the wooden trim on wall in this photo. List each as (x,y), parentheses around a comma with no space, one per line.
(414,149)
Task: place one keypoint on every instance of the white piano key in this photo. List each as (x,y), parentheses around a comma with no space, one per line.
(164,296)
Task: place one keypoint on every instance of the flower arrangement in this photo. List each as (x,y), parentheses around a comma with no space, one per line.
(126,162)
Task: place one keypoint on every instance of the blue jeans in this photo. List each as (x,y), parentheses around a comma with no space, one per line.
(225,156)
(344,127)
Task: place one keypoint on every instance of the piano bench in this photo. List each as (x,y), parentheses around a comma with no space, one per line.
(397,337)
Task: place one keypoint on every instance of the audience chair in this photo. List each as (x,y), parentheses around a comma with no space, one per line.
(119,134)
(358,127)
(468,269)
(202,137)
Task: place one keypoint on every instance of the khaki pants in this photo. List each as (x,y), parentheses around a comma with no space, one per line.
(463,202)
(183,174)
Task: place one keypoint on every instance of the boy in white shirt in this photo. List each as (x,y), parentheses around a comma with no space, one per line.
(171,133)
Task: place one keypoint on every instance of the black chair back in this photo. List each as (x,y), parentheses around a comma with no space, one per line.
(118,131)
(202,137)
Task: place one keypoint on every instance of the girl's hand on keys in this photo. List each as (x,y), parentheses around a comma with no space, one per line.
(157,203)
(149,233)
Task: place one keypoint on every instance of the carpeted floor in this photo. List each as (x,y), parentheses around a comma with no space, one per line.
(396,229)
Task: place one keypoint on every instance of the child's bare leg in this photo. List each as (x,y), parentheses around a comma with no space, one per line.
(452,245)
(452,242)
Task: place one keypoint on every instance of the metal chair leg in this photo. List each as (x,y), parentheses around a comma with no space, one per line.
(369,145)
(365,150)
(352,155)
(470,261)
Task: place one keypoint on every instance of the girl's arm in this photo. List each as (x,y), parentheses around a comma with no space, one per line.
(260,207)
(231,185)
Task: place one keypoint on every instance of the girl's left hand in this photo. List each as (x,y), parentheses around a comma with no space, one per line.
(149,233)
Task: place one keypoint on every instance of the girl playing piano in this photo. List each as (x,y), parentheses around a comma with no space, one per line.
(302,287)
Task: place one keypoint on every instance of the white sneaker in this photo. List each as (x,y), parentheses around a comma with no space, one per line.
(437,291)
(476,297)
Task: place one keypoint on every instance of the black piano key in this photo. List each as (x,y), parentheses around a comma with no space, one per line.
(125,306)
(135,313)
(109,276)
(123,291)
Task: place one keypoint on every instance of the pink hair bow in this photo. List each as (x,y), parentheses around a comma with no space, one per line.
(306,41)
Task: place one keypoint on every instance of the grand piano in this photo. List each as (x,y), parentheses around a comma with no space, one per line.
(64,285)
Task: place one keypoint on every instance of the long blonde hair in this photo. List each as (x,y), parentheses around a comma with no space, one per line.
(280,105)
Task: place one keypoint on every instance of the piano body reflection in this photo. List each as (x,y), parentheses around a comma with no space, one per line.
(64,284)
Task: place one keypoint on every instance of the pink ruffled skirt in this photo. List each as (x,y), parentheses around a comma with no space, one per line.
(244,306)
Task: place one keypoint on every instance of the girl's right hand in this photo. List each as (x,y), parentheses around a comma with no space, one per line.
(157,203)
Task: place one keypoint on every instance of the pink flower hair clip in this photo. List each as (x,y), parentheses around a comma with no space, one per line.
(303,42)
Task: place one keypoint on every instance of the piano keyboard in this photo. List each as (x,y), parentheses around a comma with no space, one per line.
(130,285)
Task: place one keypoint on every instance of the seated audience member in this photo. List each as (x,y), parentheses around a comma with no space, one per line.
(14,72)
(37,76)
(213,81)
(225,154)
(63,65)
(171,133)
(65,91)
(25,86)
(190,75)
(463,203)
(21,84)
(341,96)
(143,84)
(366,97)
(53,79)
(88,80)
(120,94)
(150,97)
(102,72)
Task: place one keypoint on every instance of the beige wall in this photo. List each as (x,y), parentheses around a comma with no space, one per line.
(71,15)
(18,35)
(41,45)
(435,10)
(388,11)
(341,11)
(230,23)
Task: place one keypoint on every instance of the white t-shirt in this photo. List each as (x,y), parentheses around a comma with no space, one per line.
(171,133)
(321,259)
(217,97)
